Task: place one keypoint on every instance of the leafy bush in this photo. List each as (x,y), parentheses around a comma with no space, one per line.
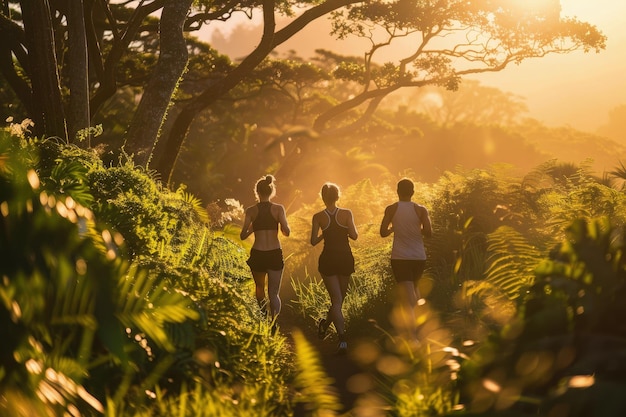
(129,201)
(94,325)
(566,347)
(65,297)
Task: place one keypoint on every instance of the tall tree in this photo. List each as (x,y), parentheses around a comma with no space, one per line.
(449,39)
(269,41)
(146,125)
(43,49)
(48,115)
(78,115)
(443,41)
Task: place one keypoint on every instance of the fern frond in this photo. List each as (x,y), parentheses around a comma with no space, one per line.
(312,382)
(196,205)
(511,261)
(146,305)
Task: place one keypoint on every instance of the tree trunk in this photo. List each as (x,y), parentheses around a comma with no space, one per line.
(270,40)
(171,148)
(183,121)
(12,54)
(48,112)
(143,133)
(78,117)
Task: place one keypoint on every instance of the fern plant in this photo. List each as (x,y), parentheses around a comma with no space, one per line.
(55,273)
(60,299)
(559,351)
(511,261)
(314,387)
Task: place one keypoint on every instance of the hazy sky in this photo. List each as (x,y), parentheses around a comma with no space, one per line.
(577,89)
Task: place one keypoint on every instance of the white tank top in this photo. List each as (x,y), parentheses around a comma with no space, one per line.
(408,242)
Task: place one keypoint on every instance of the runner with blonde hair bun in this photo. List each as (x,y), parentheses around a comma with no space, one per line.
(266,255)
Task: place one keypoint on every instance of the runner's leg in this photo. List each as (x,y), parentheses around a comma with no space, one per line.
(259,283)
(333,284)
(274,279)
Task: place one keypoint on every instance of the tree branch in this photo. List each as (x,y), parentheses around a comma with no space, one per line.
(108,82)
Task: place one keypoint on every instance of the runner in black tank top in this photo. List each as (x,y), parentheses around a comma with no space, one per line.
(336,257)
(336,262)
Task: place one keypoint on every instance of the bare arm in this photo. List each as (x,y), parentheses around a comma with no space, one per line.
(352,232)
(282,220)
(246,229)
(427,228)
(385,226)
(316,237)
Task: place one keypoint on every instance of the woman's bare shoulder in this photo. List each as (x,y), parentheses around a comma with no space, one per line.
(345,213)
(277,208)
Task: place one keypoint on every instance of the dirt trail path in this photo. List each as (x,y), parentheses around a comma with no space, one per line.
(338,367)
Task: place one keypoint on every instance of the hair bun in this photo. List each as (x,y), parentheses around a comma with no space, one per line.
(269,179)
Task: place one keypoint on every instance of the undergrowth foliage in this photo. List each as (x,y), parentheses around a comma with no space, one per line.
(488,294)
(559,352)
(315,391)
(120,297)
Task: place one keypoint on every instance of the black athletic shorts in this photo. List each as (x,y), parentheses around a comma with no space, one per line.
(266,260)
(407,269)
(335,263)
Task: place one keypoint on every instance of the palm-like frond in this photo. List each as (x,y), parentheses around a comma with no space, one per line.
(312,382)
(196,205)
(511,261)
(619,172)
(74,316)
(70,178)
(146,305)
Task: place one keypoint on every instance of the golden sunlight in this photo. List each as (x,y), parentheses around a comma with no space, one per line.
(581,381)
(537,6)
(432,99)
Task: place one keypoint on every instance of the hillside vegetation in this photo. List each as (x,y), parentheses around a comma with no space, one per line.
(122,298)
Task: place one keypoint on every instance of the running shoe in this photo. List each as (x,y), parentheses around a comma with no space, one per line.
(322,327)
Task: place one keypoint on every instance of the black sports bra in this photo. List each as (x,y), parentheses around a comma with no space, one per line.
(264,219)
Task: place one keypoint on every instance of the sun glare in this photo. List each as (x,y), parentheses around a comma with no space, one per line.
(538,6)
(432,99)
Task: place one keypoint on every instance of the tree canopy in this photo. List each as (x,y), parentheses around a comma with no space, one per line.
(142,52)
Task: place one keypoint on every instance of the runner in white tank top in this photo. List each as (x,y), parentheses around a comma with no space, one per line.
(409,222)
(407,239)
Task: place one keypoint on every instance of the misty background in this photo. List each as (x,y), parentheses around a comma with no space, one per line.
(568,109)
(577,89)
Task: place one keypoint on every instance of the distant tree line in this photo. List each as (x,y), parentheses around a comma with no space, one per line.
(133,66)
